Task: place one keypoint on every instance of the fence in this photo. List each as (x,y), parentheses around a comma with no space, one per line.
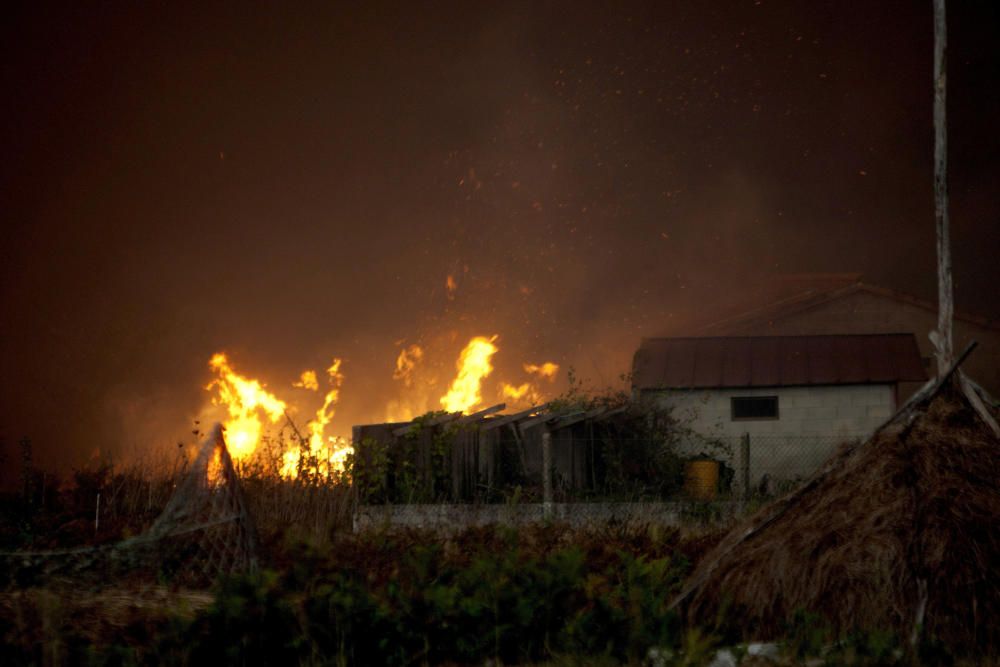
(767,465)
(204,530)
(483,470)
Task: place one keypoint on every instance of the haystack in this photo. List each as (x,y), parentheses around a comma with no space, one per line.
(898,533)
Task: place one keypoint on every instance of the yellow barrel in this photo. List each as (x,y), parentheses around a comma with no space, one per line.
(701,479)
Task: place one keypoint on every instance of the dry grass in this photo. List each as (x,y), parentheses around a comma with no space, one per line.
(44,620)
(914,506)
(311,508)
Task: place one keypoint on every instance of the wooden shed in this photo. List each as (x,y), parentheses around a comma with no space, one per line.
(482,457)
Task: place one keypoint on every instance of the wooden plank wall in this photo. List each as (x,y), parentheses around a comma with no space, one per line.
(474,459)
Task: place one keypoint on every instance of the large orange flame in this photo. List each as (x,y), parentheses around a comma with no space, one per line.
(473,365)
(326,454)
(245,400)
(249,405)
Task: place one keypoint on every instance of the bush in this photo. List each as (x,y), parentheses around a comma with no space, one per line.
(400,599)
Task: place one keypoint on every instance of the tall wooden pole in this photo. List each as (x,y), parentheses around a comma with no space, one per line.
(942,337)
(942,341)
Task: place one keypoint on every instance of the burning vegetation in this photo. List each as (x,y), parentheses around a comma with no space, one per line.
(245,401)
(250,408)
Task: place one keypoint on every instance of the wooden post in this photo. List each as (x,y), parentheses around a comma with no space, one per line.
(943,339)
(27,470)
(745,467)
(547,474)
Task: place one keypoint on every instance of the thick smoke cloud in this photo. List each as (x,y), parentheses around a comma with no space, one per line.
(291,184)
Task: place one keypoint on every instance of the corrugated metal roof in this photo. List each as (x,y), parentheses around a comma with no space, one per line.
(774,361)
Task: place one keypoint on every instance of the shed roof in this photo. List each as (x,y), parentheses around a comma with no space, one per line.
(775,361)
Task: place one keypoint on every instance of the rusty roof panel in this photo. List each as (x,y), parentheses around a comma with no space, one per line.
(764,366)
(738,361)
(794,365)
(850,359)
(708,367)
(906,357)
(770,361)
(880,362)
(681,364)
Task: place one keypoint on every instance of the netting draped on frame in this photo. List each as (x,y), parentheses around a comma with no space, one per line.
(204,531)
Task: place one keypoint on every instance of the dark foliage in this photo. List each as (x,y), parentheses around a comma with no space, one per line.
(407,598)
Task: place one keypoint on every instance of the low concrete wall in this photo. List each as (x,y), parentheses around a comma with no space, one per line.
(448,518)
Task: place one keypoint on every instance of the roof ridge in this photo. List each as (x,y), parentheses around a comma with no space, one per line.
(773,336)
(814,297)
(959,314)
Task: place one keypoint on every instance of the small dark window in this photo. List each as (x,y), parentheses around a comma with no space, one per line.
(755,407)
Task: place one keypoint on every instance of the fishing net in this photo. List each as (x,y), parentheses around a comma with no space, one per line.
(204,531)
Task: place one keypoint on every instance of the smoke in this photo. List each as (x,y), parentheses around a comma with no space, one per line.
(291,186)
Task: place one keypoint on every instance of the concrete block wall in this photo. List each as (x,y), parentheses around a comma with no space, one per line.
(845,410)
(812,422)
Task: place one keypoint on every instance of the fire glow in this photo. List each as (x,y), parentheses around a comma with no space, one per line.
(244,399)
(473,366)
(529,393)
(326,453)
(250,406)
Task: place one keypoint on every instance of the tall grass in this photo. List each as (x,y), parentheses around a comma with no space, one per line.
(109,501)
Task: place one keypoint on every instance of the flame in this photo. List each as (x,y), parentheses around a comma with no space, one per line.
(450,286)
(546,370)
(213,471)
(528,393)
(244,400)
(473,365)
(307,380)
(517,393)
(326,454)
(249,404)
(406,363)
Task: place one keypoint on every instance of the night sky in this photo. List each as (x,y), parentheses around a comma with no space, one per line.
(290,183)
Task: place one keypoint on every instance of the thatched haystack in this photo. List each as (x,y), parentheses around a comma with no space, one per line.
(898,533)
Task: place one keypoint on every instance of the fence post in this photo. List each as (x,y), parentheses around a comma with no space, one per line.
(745,467)
(27,471)
(546,474)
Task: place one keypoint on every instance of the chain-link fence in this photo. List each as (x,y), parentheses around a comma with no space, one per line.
(765,465)
(205,530)
(692,466)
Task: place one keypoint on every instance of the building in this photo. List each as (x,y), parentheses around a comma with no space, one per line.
(798,397)
(833,304)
